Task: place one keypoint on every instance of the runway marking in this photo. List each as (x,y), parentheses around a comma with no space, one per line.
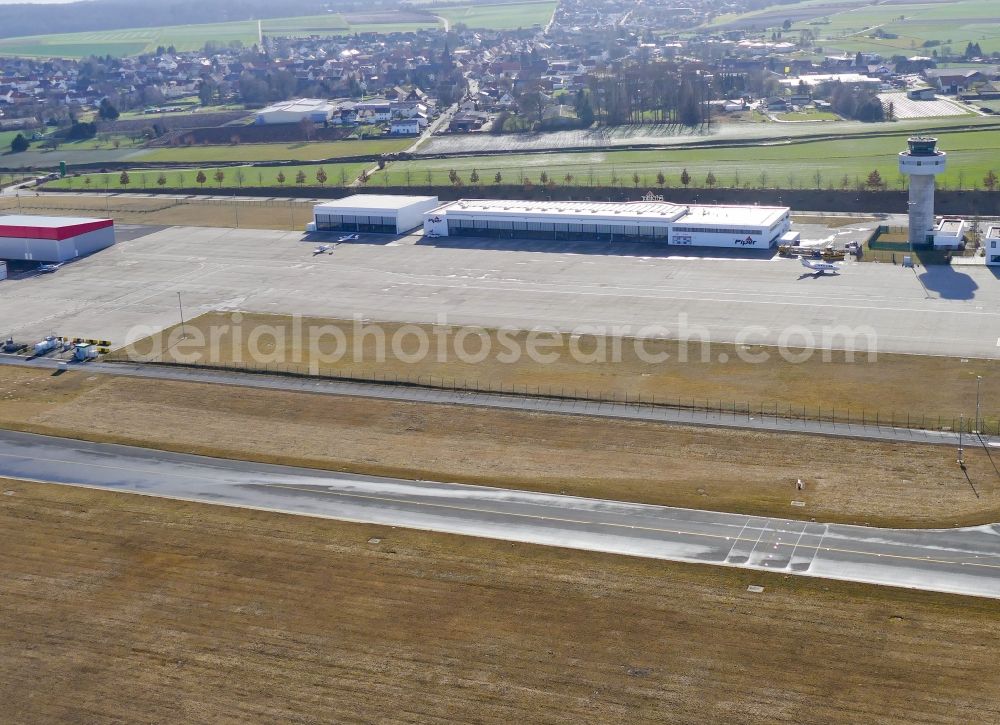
(345,494)
(801,534)
(759,537)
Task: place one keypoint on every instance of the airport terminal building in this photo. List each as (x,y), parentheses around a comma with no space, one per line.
(736,227)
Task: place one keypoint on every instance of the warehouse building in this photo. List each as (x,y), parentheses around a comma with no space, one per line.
(53,239)
(379,213)
(301,109)
(737,227)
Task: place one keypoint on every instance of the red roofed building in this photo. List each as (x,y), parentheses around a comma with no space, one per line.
(53,239)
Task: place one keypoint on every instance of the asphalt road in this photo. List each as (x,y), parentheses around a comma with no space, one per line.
(962,561)
(754,420)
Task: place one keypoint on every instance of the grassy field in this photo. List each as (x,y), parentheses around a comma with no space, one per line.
(235,178)
(221,212)
(140,609)
(971,155)
(884,385)
(954,24)
(501,16)
(299,151)
(808,114)
(725,470)
(850,25)
(132,41)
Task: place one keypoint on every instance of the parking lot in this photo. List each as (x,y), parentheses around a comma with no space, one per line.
(132,289)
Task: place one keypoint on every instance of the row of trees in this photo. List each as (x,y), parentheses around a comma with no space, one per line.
(219,176)
(872,182)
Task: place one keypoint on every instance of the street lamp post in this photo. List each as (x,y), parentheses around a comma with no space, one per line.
(979,381)
(961,426)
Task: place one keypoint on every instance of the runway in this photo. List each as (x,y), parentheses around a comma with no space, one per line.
(962,561)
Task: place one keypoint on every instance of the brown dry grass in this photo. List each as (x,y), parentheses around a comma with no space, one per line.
(123,608)
(933,391)
(832,221)
(847,480)
(168,212)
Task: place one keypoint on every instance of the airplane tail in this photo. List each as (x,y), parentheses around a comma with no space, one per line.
(805,262)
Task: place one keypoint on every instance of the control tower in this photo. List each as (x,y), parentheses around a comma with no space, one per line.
(922,163)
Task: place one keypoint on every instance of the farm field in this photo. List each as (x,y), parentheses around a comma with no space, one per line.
(223,211)
(132,41)
(726,129)
(298,151)
(972,154)
(953,23)
(235,178)
(94,151)
(905,108)
(132,608)
(806,115)
(505,16)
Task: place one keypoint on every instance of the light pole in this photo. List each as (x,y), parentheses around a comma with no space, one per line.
(961,426)
(979,381)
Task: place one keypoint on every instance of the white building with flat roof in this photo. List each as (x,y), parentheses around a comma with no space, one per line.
(991,245)
(53,239)
(379,213)
(737,227)
(949,233)
(295,111)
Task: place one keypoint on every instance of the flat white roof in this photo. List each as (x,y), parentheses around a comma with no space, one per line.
(993,232)
(46,222)
(648,209)
(373,202)
(755,216)
(299,105)
(695,215)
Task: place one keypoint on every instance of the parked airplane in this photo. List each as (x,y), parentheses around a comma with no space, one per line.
(49,268)
(349,238)
(820,267)
(321,249)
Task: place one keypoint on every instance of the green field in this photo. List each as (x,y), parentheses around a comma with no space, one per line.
(971,154)
(807,114)
(301,151)
(132,41)
(235,178)
(850,26)
(499,17)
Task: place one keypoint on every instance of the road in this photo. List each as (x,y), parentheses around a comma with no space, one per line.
(961,561)
(659,413)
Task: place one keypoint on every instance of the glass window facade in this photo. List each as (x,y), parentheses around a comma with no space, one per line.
(506,229)
(355,223)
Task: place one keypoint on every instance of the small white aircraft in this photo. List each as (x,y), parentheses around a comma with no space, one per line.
(321,249)
(820,267)
(349,238)
(49,268)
